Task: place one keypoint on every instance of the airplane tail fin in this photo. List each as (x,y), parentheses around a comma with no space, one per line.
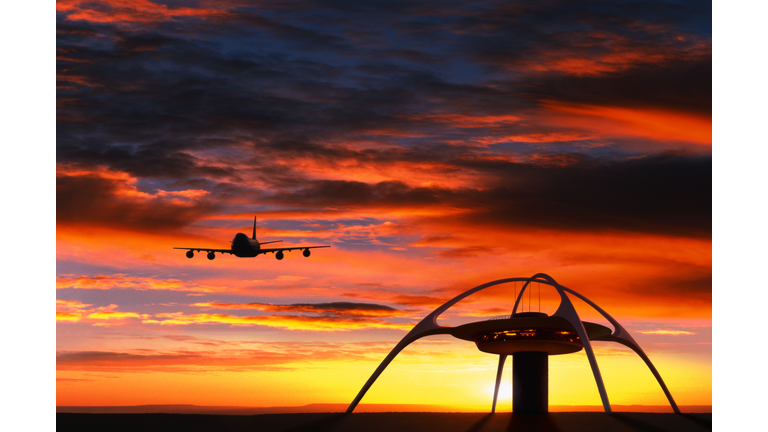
(254,228)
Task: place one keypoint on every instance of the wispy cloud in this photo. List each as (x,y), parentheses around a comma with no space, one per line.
(123,281)
(667,332)
(267,357)
(336,308)
(289,322)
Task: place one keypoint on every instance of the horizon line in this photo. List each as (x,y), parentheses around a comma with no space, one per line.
(341,407)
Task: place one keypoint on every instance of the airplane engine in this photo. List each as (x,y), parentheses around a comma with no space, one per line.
(306,252)
(279,255)
(211,255)
(190,254)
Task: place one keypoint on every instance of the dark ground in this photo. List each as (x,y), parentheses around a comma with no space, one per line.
(393,421)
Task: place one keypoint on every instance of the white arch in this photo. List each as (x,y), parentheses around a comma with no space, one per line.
(428,326)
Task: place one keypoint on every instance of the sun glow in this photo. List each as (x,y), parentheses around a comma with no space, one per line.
(505,391)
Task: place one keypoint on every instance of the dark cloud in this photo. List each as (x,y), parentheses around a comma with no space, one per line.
(302,38)
(334,308)
(269,356)
(679,85)
(514,34)
(142,42)
(666,194)
(343,193)
(213,100)
(411,300)
(688,282)
(98,201)
(466,252)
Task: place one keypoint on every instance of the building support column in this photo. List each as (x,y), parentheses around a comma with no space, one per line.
(530,382)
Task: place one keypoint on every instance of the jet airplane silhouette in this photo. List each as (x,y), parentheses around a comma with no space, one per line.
(245,247)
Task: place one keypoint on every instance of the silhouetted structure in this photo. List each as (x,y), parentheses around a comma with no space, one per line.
(244,247)
(530,337)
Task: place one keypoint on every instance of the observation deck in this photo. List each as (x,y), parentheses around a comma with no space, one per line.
(528,331)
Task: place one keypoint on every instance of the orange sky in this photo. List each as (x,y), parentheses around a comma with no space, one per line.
(433,154)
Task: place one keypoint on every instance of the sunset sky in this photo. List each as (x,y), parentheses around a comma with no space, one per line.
(435,146)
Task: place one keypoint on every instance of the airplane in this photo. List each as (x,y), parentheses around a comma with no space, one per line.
(245,247)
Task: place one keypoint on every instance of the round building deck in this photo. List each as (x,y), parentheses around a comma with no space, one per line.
(528,332)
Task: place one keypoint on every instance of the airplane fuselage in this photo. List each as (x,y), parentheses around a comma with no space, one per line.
(243,246)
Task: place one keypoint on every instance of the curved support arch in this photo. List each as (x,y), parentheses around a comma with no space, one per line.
(622,336)
(567,311)
(407,340)
(428,326)
(619,335)
(499,371)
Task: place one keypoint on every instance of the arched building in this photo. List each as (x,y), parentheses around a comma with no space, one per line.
(530,338)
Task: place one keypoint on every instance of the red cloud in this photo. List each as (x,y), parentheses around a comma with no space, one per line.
(130,11)
(111,199)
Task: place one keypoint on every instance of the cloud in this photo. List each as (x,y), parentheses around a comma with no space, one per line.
(667,332)
(67,316)
(617,121)
(98,316)
(288,322)
(109,361)
(71,380)
(667,193)
(128,11)
(465,252)
(411,300)
(113,200)
(70,310)
(544,38)
(70,305)
(230,120)
(110,315)
(335,308)
(664,194)
(123,281)
(278,356)
(683,85)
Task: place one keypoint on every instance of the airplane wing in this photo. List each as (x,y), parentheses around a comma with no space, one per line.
(229,251)
(277,251)
(288,249)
